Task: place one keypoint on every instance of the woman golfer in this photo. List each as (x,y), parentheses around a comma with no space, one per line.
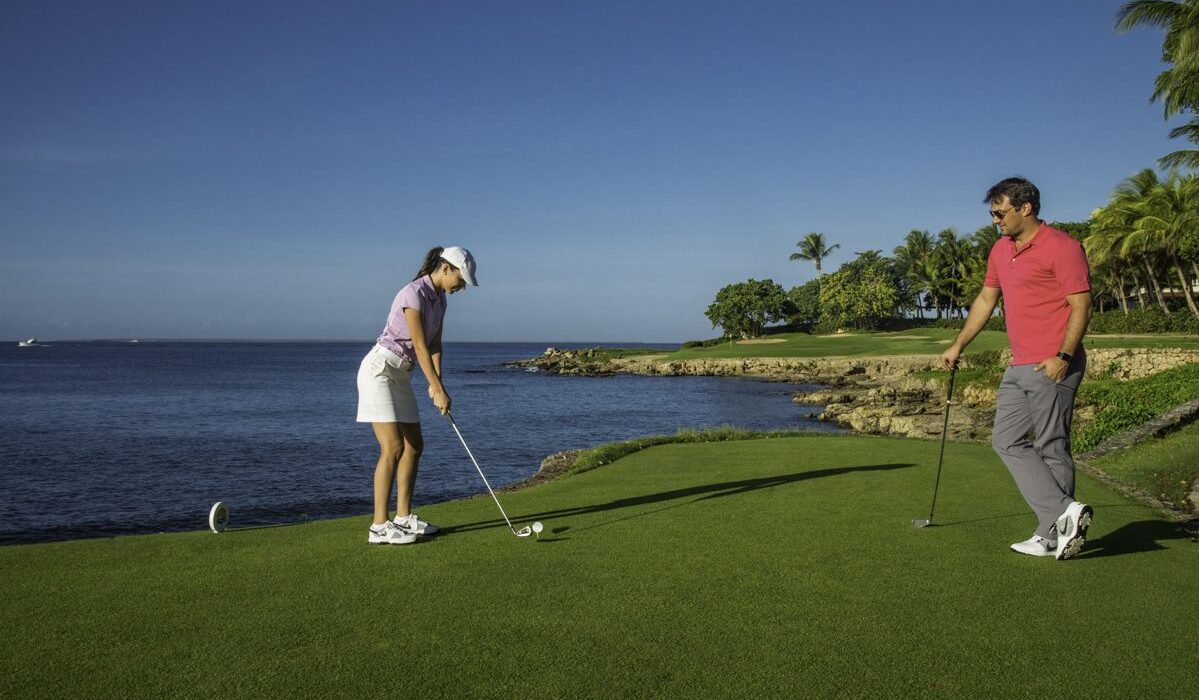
(411,337)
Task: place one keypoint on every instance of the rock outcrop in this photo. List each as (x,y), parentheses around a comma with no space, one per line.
(874,395)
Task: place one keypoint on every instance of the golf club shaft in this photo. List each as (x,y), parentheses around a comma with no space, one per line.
(944,432)
(480,470)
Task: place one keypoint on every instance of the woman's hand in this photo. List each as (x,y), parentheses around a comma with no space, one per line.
(440,399)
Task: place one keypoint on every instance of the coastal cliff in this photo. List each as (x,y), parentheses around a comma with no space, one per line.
(890,395)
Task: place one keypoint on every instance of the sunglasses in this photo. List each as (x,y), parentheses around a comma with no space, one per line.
(995,214)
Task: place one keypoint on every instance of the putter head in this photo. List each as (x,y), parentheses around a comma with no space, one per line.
(923,522)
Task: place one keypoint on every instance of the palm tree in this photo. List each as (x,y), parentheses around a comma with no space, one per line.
(1102,249)
(953,257)
(1119,218)
(917,247)
(1170,210)
(814,248)
(927,276)
(1177,87)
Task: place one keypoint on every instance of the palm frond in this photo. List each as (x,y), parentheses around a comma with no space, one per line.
(1153,13)
(1186,159)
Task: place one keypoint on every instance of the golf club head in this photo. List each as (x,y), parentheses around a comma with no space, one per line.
(922,522)
(524,531)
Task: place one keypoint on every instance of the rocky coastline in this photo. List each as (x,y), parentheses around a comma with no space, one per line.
(869,395)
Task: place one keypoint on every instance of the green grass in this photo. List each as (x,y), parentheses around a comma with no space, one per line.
(1126,405)
(1165,468)
(921,341)
(924,341)
(782,567)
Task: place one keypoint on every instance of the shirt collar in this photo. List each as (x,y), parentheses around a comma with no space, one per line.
(427,288)
(1036,238)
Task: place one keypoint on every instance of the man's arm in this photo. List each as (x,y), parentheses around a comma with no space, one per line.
(1076,327)
(980,312)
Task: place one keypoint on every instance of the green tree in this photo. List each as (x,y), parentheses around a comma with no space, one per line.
(910,259)
(1078,230)
(805,304)
(1116,225)
(814,248)
(745,308)
(858,298)
(953,257)
(1170,210)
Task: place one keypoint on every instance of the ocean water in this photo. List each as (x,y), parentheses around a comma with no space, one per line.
(109,438)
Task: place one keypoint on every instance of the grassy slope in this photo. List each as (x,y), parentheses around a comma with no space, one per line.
(1164,468)
(923,341)
(769,567)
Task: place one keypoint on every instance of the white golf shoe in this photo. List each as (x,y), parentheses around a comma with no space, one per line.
(389,533)
(414,525)
(1036,546)
(1072,529)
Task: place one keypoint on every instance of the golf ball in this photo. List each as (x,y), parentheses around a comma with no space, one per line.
(538,527)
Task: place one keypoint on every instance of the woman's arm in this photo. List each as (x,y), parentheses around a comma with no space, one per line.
(432,370)
(435,352)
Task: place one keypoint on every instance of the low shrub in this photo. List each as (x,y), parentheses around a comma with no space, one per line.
(1152,320)
(995,323)
(711,342)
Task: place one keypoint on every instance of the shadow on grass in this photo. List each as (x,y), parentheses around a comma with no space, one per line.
(1140,536)
(702,492)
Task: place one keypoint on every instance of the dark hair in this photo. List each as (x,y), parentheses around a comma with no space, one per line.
(1018,191)
(432,260)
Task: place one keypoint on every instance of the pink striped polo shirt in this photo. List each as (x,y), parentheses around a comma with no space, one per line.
(419,294)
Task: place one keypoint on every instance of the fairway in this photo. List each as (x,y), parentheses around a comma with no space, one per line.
(780,567)
(920,341)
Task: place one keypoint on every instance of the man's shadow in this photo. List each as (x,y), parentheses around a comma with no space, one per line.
(692,494)
(1141,536)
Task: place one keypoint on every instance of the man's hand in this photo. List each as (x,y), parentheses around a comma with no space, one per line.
(1055,368)
(949,358)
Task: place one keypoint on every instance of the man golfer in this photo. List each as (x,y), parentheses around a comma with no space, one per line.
(1043,277)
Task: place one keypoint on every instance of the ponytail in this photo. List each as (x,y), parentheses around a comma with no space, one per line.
(432,260)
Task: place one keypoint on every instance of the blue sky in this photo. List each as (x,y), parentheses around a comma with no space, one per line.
(278,169)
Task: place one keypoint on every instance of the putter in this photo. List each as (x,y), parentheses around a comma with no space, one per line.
(524,531)
(944,432)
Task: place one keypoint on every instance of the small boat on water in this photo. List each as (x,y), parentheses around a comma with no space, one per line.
(27,343)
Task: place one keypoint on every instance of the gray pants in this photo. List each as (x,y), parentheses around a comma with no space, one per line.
(1043,468)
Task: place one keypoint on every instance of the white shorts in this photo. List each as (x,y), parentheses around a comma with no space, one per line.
(385,388)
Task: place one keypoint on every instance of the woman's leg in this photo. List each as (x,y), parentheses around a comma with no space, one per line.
(414,444)
(391,450)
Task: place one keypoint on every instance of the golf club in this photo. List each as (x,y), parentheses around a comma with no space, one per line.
(524,531)
(944,432)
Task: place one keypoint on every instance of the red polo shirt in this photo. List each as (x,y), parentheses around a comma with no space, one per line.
(1035,282)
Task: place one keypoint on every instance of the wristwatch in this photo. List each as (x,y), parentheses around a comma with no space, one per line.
(1065,357)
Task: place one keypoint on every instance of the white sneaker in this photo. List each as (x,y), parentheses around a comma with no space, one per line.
(388,533)
(1036,546)
(414,525)
(1072,529)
